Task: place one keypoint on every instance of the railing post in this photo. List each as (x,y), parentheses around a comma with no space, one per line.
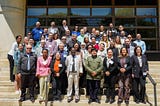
(155,95)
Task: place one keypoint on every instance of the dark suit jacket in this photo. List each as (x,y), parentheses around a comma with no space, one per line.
(128,65)
(62,31)
(136,70)
(112,66)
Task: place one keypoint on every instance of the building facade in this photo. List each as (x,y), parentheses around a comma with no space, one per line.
(137,16)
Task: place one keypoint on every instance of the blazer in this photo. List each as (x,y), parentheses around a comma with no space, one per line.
(112,66)
(78,64)
(128,65)
(136,70)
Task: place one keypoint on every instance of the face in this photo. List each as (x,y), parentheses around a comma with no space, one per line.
(102,47)
(93,40)
(82,31)
(122,33)
(64,22)
(45,30)
(50,36)
(20,47)
(45,53)
(38,24)
(94,53)
(73,52)
(43,44)
(74,37)
(82,46)
(101,27)
(26,40)
(86,39)
(138,36)
(76,46)
(127,41)
(124,51)
(31,41)
(138,51)
(58,56)
(89,48)
(63,39)
(129,37)
(19,39)
(110,53)
(28,49)
(121,28)
(111,25)
(52,23)
(61,46)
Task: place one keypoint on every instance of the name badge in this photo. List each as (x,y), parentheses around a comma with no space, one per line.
(59,65)
(40,32)
(97,42)
(111,62)
(125,65)
(50,45)
(144,73)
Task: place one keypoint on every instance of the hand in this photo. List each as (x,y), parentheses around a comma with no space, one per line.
(107,73)
(132,75)
(94,73)
(38,76)
(57,74)
(122,70)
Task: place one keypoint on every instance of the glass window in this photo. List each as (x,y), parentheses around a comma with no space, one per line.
(101,2)
(80,2)
(58,2)
(57,11)
(36,2)
(130,31)
(147,33)
(31,21)
(101,11)
(147,21)
(147,2)
(126,22)
(36,11)
(90,21)
(80,12)
(124,2)
(58,21)
(146,11)
(150,44)
(124,12)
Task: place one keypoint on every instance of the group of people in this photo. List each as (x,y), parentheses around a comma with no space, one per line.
(71,60)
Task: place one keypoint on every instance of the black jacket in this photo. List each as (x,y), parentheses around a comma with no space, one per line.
(137,70)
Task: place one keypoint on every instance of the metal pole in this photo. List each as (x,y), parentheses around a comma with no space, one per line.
(155,95)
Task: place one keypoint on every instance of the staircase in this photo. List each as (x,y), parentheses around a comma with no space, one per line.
(9,98)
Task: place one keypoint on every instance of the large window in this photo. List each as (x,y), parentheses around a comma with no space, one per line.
(137,16)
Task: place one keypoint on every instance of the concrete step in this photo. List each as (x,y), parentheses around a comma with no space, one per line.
(6,83)
(7,89)
(4,78)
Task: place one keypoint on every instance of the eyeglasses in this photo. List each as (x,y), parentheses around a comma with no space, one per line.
(63,39)
(29,48)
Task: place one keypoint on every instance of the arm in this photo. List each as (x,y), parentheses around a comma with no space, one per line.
(87,66)
(104,65)
(38,65)
(100,66)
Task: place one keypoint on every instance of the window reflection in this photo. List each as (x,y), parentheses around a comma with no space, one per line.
(127,22)
(147,21)
(101,11)
(36,2)
(146,11)
(58,21)
(57,11)
(57,2)
(124,2)
(36,11)
(80,12)
(146,2)
(31,21)
(124,11)
(80,2)
(150,44)
(147,33)
(90,21)
(101,2)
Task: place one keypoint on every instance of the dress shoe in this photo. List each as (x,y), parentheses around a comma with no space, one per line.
(112,101)
(69,100)
(107,100)
(137,101)
(22,99)
(90,101)
(127,102)
(119,101)
(76,100)
(143,101)
(32,99)
(98,101)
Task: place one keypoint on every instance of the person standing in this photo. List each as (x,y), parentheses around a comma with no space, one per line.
(94,66)
(139,73)
(43,71)
(74,70)
(110,73)
(27,70)
(124,74)
(11,54)
(57,68)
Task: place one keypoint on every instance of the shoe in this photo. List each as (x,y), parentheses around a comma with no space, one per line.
(90,101)
(98,101)
(112,101)
(119,101)
(137,101)
(144,102)
(107,100)
(32,99)
(21,99)
(127,102)
(76,100)
(69,100)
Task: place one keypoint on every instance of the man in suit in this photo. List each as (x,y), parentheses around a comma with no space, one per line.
(74,70)
(63,28)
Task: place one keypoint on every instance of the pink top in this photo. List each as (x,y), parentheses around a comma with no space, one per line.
(43,66)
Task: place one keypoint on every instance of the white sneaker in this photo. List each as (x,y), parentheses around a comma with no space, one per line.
(17,92)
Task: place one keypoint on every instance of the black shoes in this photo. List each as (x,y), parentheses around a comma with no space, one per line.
(112,101)
(69,100)
(137,101)
(127,102)
(107,100)
(98,101)
(22,99)
(32,99)
(76,100)
(90,101)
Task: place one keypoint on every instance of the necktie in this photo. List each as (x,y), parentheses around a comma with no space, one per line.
(73,65)
(28,64)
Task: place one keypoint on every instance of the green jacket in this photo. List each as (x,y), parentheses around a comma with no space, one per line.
(93,64)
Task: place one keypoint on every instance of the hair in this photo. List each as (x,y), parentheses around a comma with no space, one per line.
(109,49)
(136,49)
(79,47)
(44,49)
(93,49)
(88,46)
(18,36)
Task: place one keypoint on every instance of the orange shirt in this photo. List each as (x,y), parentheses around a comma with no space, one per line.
(56,67)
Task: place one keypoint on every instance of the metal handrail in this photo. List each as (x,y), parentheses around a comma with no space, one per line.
(154,87)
